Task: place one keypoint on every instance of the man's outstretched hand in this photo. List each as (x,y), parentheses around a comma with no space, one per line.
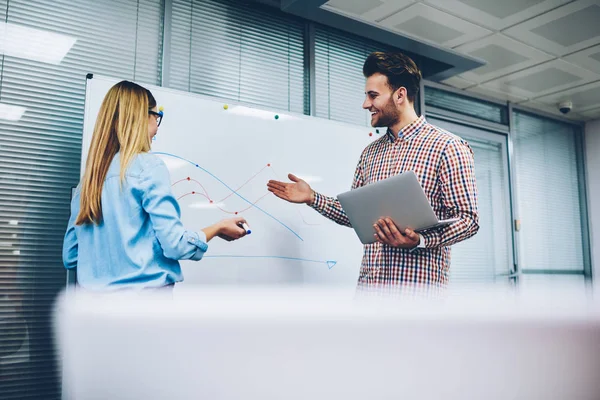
(296,192)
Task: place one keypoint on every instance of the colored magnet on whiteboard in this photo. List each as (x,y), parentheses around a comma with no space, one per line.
(225,107)
(370,133)
(276,116)
(377,130)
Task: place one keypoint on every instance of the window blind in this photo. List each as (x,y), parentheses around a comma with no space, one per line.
(486,256)
(40,161)
(547,182)
(238,51)
(466,105)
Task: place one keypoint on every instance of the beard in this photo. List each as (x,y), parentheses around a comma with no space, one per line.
(386,117)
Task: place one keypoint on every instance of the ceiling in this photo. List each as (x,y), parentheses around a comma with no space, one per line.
(538,52)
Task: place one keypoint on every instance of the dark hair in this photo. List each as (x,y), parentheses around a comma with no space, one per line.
(400,70)
(151,100)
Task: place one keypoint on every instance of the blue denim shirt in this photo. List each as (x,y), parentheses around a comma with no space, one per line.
(141,236)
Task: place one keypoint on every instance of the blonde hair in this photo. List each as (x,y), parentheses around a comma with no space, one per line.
(121,126)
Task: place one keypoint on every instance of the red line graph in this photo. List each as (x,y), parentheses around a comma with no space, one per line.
(212,201)
(191,180)
(245,183)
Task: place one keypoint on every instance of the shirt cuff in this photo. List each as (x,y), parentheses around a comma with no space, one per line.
(431,238)
(421,244)
(198,239)
(319,202)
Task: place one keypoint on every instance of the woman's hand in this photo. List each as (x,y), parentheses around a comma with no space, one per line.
(227,229)
(231,229)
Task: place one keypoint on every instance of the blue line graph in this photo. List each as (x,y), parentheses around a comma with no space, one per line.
(232,190)
(330,263)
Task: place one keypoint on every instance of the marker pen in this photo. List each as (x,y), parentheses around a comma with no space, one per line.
(246,227)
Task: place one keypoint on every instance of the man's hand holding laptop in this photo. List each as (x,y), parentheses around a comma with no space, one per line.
(387,232)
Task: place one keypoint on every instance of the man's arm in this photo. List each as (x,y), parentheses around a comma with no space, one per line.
(300,192)
(459,190)
(330,207)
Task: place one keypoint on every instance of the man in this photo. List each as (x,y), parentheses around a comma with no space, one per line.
(443,163)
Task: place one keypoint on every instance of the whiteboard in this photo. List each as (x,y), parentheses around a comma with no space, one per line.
(220,156)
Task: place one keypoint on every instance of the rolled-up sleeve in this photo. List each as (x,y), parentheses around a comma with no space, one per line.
(165,214)
(459,189)
(198,239)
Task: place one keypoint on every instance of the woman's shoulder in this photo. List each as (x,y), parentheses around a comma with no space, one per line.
(144,162)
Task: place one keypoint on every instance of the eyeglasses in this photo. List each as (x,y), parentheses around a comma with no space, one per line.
(158,115)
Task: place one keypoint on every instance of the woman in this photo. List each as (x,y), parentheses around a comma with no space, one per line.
(125,229)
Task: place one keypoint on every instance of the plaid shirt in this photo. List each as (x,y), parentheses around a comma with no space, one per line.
(444,166)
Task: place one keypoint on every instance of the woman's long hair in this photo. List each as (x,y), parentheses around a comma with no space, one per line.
(121,126)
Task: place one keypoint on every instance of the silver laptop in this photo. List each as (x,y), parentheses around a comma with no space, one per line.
(399,197)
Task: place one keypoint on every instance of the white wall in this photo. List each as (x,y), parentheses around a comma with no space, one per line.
(592,150)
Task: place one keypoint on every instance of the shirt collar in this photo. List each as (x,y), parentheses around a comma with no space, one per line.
(409,131)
